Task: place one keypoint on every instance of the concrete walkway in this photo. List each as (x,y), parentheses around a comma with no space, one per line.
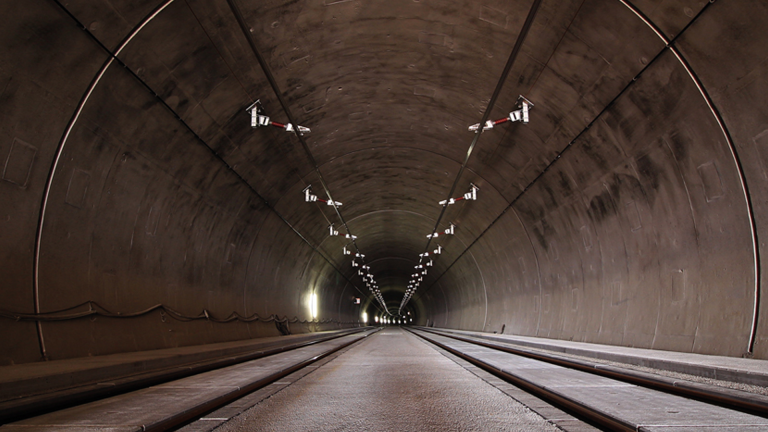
(733,369)
(164,406)
(392,381)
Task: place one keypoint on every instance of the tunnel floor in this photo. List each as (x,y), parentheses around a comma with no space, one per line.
(390,381)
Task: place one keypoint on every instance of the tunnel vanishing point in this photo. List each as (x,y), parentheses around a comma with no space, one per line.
(141,209)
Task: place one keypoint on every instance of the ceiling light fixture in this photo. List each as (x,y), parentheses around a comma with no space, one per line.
(259,119)
(469,196)
(309,197)
(521,114)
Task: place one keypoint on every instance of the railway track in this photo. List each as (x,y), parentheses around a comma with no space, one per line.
(167,399)
(609,397)
(605,396)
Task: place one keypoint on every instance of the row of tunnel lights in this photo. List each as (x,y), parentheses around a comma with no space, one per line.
(521,114)
(402,319)
(259,119)
(363,270)
(423,266)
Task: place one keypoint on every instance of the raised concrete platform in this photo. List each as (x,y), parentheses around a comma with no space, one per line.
(634,407)
(34,384)
(739,370)
(163,406)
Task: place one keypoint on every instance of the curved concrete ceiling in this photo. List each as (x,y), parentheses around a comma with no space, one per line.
(140,208)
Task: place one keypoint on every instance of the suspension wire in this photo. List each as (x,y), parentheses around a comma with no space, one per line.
(39,317)
(240,83)
(491,103)
(669,45)
(291,119)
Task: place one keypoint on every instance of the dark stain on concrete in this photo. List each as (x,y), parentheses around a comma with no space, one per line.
(601,206)
(648,168)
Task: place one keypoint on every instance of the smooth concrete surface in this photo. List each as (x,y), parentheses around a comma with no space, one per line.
(390,382)
(631,210)
(738,370)
(152,407)
(642,408)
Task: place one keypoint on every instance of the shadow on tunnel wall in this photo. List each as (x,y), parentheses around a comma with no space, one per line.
(642,230)
(634,218)
(140,212)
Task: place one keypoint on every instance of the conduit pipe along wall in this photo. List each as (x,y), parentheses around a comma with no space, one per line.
(152,198)
(642,232)
(637,224)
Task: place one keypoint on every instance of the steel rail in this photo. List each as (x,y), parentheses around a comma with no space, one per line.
(185,417)
(575,408)
(728,398)
(35,405)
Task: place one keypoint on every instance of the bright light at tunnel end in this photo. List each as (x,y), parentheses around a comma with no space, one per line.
(313,305)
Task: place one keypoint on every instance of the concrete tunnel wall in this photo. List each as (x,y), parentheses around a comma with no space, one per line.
(628,211)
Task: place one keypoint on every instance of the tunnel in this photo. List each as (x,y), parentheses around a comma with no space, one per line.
(158,192)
